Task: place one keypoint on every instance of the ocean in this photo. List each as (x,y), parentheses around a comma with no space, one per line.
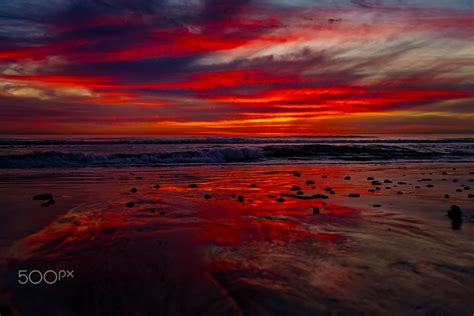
(96,151)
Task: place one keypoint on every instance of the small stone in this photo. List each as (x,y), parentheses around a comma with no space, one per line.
(280,200)
(458,190)
(376,182)
(240,198)
(162,213)
(387,181)
(455,212)
(347,178)
(430,186)
(354,195)
(399,192)
(372,190)
(43,197)
(192,186)
(134,190)
(297,174)
(315,211)
(157,186)
(447,196)
(253,185)
(295,188)
(377,205)
(207,196)
(370,178)
(130,204)
(300,193)
(309,182)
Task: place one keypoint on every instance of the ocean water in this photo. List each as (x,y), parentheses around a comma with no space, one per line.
(93,151)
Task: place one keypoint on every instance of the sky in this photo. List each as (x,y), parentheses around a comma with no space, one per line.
(237,67)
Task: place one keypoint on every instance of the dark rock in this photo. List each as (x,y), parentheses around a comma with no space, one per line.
(134,190)
(458,190)
(430,186)
(354,195)
(250,200)
(402,183)
(466,188)
(387,181)
(399,192)
(425,180)
(377,189)
(375,182)
(45,204)
(280,200)
(470,195)
(324,177)
(455,213)
(240,198)
(138,178)
(370,178)
(377,205)
(268,217)
(157,186)
(43,197)
(207,196)
(455,180)
(253,185)
(447,196)
(315,210)
(372,190)
(309,182)
(297,174)
(332,192)
(130,204)
(271,196)
(347,178)
(417,187)
(192,186)
(162,213)
(328,189)
(300,193)
(295,188)
(444,173)
(388,188)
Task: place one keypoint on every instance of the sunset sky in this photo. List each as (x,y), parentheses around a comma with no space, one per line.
(275,67)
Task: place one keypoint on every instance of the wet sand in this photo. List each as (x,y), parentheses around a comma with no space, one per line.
(241,240)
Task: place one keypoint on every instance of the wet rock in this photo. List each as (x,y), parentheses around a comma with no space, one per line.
(43,197)
(253,185)
(295,188)
(315,211)
(192,186)
(309,182)
(455,212)
(347,178)
(157,186)
(130,204)
(425,180)
(280,200)
(207,196)
(354,195)
(133,190)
